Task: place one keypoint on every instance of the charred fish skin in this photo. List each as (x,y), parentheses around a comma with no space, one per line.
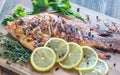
(34,30)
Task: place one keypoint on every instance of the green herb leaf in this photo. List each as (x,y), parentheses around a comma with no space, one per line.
(60,6)
(19,12)
(8,18)
(64,7)
(39,5)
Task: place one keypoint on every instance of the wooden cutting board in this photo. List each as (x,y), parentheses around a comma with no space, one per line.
(26,68)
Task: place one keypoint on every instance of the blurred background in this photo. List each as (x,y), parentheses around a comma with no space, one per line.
(107,7)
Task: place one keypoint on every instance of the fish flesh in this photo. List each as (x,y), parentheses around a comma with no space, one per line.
(34,30)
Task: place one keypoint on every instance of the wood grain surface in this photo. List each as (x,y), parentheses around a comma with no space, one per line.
(26,68)
(2,2)
(4,71)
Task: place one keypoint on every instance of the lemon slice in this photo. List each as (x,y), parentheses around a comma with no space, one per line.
(60,47)
(74,56)
(100,69)
(43,58)
(90,59)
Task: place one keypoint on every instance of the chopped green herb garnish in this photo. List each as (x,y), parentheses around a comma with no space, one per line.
(18,12)
(12,50)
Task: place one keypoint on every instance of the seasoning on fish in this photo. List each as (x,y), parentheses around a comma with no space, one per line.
(34,30)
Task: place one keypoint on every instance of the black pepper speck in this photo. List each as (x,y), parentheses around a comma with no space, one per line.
(57,68)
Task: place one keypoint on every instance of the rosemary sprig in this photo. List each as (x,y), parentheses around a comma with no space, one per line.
(12,50)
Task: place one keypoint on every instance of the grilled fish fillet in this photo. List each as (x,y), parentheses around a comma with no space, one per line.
(34,30)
